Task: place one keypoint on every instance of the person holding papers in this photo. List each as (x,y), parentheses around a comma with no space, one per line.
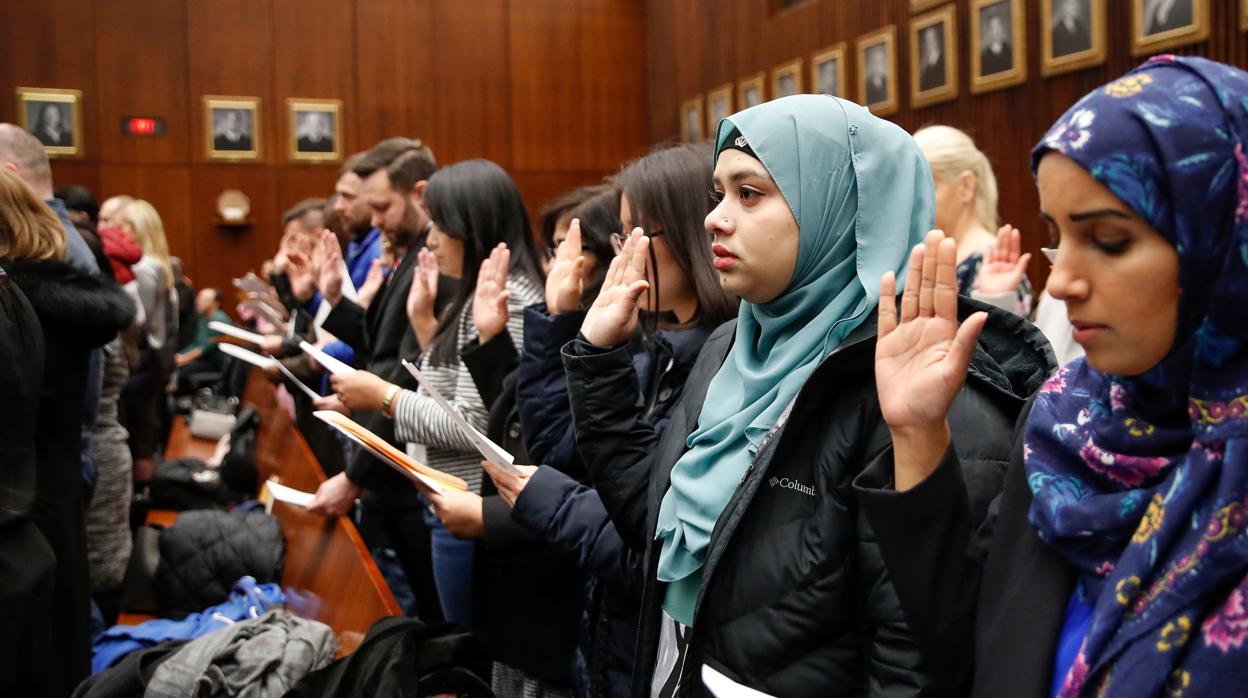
(756,561)
(395,175)
(475,208)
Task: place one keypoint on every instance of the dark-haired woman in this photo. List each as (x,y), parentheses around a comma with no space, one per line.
(569,515)
(475,207)
(756,561)
(1117,555)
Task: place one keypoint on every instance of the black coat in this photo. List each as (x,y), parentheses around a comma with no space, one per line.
(512,563)
(795,600)
(991,625)
(78,313)
(26,559)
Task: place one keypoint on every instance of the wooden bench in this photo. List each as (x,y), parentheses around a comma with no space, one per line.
(329,574)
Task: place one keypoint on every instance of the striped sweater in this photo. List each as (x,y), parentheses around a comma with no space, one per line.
(418,419)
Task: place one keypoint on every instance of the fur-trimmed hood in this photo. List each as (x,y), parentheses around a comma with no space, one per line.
(87,307)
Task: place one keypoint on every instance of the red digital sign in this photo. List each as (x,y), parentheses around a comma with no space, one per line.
(143,126)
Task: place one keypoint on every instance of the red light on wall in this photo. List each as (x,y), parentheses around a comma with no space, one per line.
(143,126)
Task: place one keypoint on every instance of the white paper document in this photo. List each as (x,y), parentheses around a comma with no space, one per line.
(312,394)
(330,364)
(290,495)
(250,283)
(487,448)
(236,332)
(249,356)
(721,686)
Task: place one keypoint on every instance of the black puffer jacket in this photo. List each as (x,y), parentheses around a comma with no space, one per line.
(205,552)
(795,599)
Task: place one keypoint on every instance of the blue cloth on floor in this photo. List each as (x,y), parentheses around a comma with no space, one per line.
(247,600)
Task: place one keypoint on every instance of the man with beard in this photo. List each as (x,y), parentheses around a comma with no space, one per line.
(394,175)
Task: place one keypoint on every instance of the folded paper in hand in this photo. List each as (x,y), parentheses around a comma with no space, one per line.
(249,356)
(721,686)
(326,361)
(229,330)
(431,478)
(487,448)
(281,493)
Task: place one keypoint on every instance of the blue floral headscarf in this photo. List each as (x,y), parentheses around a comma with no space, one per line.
(1142,482)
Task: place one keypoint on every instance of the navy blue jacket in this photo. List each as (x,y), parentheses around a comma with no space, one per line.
(569,515)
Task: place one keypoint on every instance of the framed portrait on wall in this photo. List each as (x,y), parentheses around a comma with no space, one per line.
(718,107)
(1073,36)
(315,130)
(877,70)
(750,91)
(1243,15)
(934,57)
(998,45)
(232,128)
(1164,24)
(54,116)
(916,5)
(691,120)
(827,71)
(786,79)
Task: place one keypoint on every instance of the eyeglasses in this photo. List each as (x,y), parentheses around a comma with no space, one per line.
(619,238)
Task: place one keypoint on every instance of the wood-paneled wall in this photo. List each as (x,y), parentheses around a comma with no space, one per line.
(552,90)
(693,46)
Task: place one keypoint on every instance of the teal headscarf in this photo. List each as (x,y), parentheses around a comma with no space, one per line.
(862,195)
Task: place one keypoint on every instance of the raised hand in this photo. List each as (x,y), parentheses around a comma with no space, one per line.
(372,283)
(921,361)
(302,275)
(328,258)
(1004,264)
(422,296)
(564,284)
(489,303)
(613,317)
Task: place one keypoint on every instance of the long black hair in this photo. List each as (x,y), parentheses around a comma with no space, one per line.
(669,190)
(477,203)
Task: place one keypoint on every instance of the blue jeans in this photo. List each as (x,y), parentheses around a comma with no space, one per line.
(452,570)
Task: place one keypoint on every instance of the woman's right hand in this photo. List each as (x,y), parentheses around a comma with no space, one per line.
(563,282)
(422,296)
(921,361)
(613,317)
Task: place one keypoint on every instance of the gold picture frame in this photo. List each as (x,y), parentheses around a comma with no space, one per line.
(1171,34)
(941,23)
(751,91)
(1067,35)
(881,99)
(917,5)
(232,128)
(786,79)
(718,107)
(692,120)
(1243,15)
(314,130)
(819,77)
(43,112)
(1002,71)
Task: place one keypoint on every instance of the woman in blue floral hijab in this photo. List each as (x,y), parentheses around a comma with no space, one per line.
(1118,564)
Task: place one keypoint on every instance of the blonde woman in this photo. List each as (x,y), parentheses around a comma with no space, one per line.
(154,281)
(53,316)
(991,267)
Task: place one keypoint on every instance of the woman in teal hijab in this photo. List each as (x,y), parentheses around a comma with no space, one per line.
(760,566)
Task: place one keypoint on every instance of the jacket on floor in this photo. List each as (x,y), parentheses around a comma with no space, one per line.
(795,599)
